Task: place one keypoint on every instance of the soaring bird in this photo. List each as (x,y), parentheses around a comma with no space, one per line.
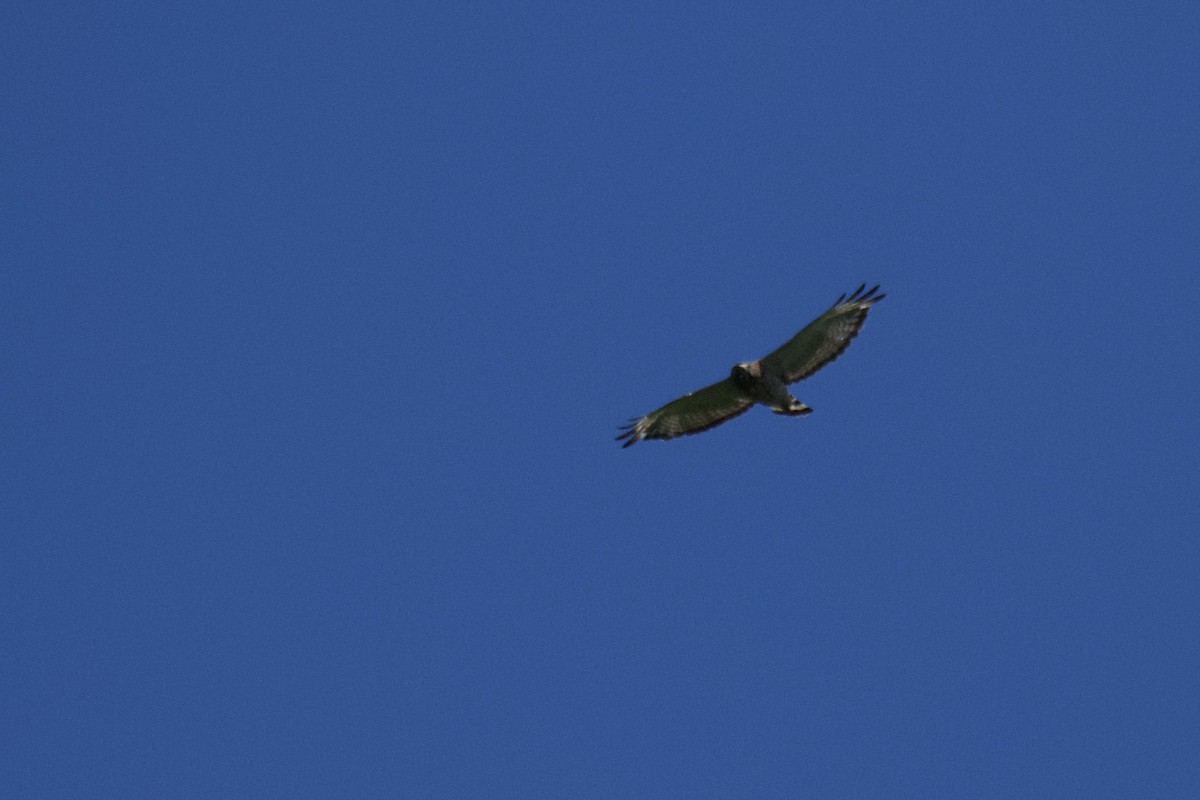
(764,381)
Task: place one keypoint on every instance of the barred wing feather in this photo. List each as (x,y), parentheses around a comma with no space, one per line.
(823,339)
(694,412)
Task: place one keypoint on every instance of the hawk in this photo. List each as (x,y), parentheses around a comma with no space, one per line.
(764,381)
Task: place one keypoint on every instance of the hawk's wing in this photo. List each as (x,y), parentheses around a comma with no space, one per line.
(823,339)
(694,412)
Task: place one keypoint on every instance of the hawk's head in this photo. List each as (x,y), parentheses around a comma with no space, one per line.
(746,373)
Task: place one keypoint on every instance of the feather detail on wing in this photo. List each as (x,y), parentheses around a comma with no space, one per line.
(823,339)
(694,412)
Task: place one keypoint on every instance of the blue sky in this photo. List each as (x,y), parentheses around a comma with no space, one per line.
(318,321)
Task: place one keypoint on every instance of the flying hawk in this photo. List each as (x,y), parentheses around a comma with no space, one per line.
(764,381)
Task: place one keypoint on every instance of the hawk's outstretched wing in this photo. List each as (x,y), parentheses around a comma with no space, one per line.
(823,339)
(694,412)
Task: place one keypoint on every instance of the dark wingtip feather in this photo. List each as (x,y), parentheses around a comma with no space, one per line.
(853,297)
(631,437)
(628,432)
(868,296)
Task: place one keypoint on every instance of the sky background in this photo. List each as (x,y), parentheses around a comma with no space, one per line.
(317,321)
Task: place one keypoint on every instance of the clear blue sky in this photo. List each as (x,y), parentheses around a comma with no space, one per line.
(318,320)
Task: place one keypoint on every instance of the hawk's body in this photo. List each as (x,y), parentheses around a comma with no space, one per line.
(764,381)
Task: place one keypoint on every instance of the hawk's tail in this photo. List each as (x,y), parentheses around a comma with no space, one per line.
(796,409)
